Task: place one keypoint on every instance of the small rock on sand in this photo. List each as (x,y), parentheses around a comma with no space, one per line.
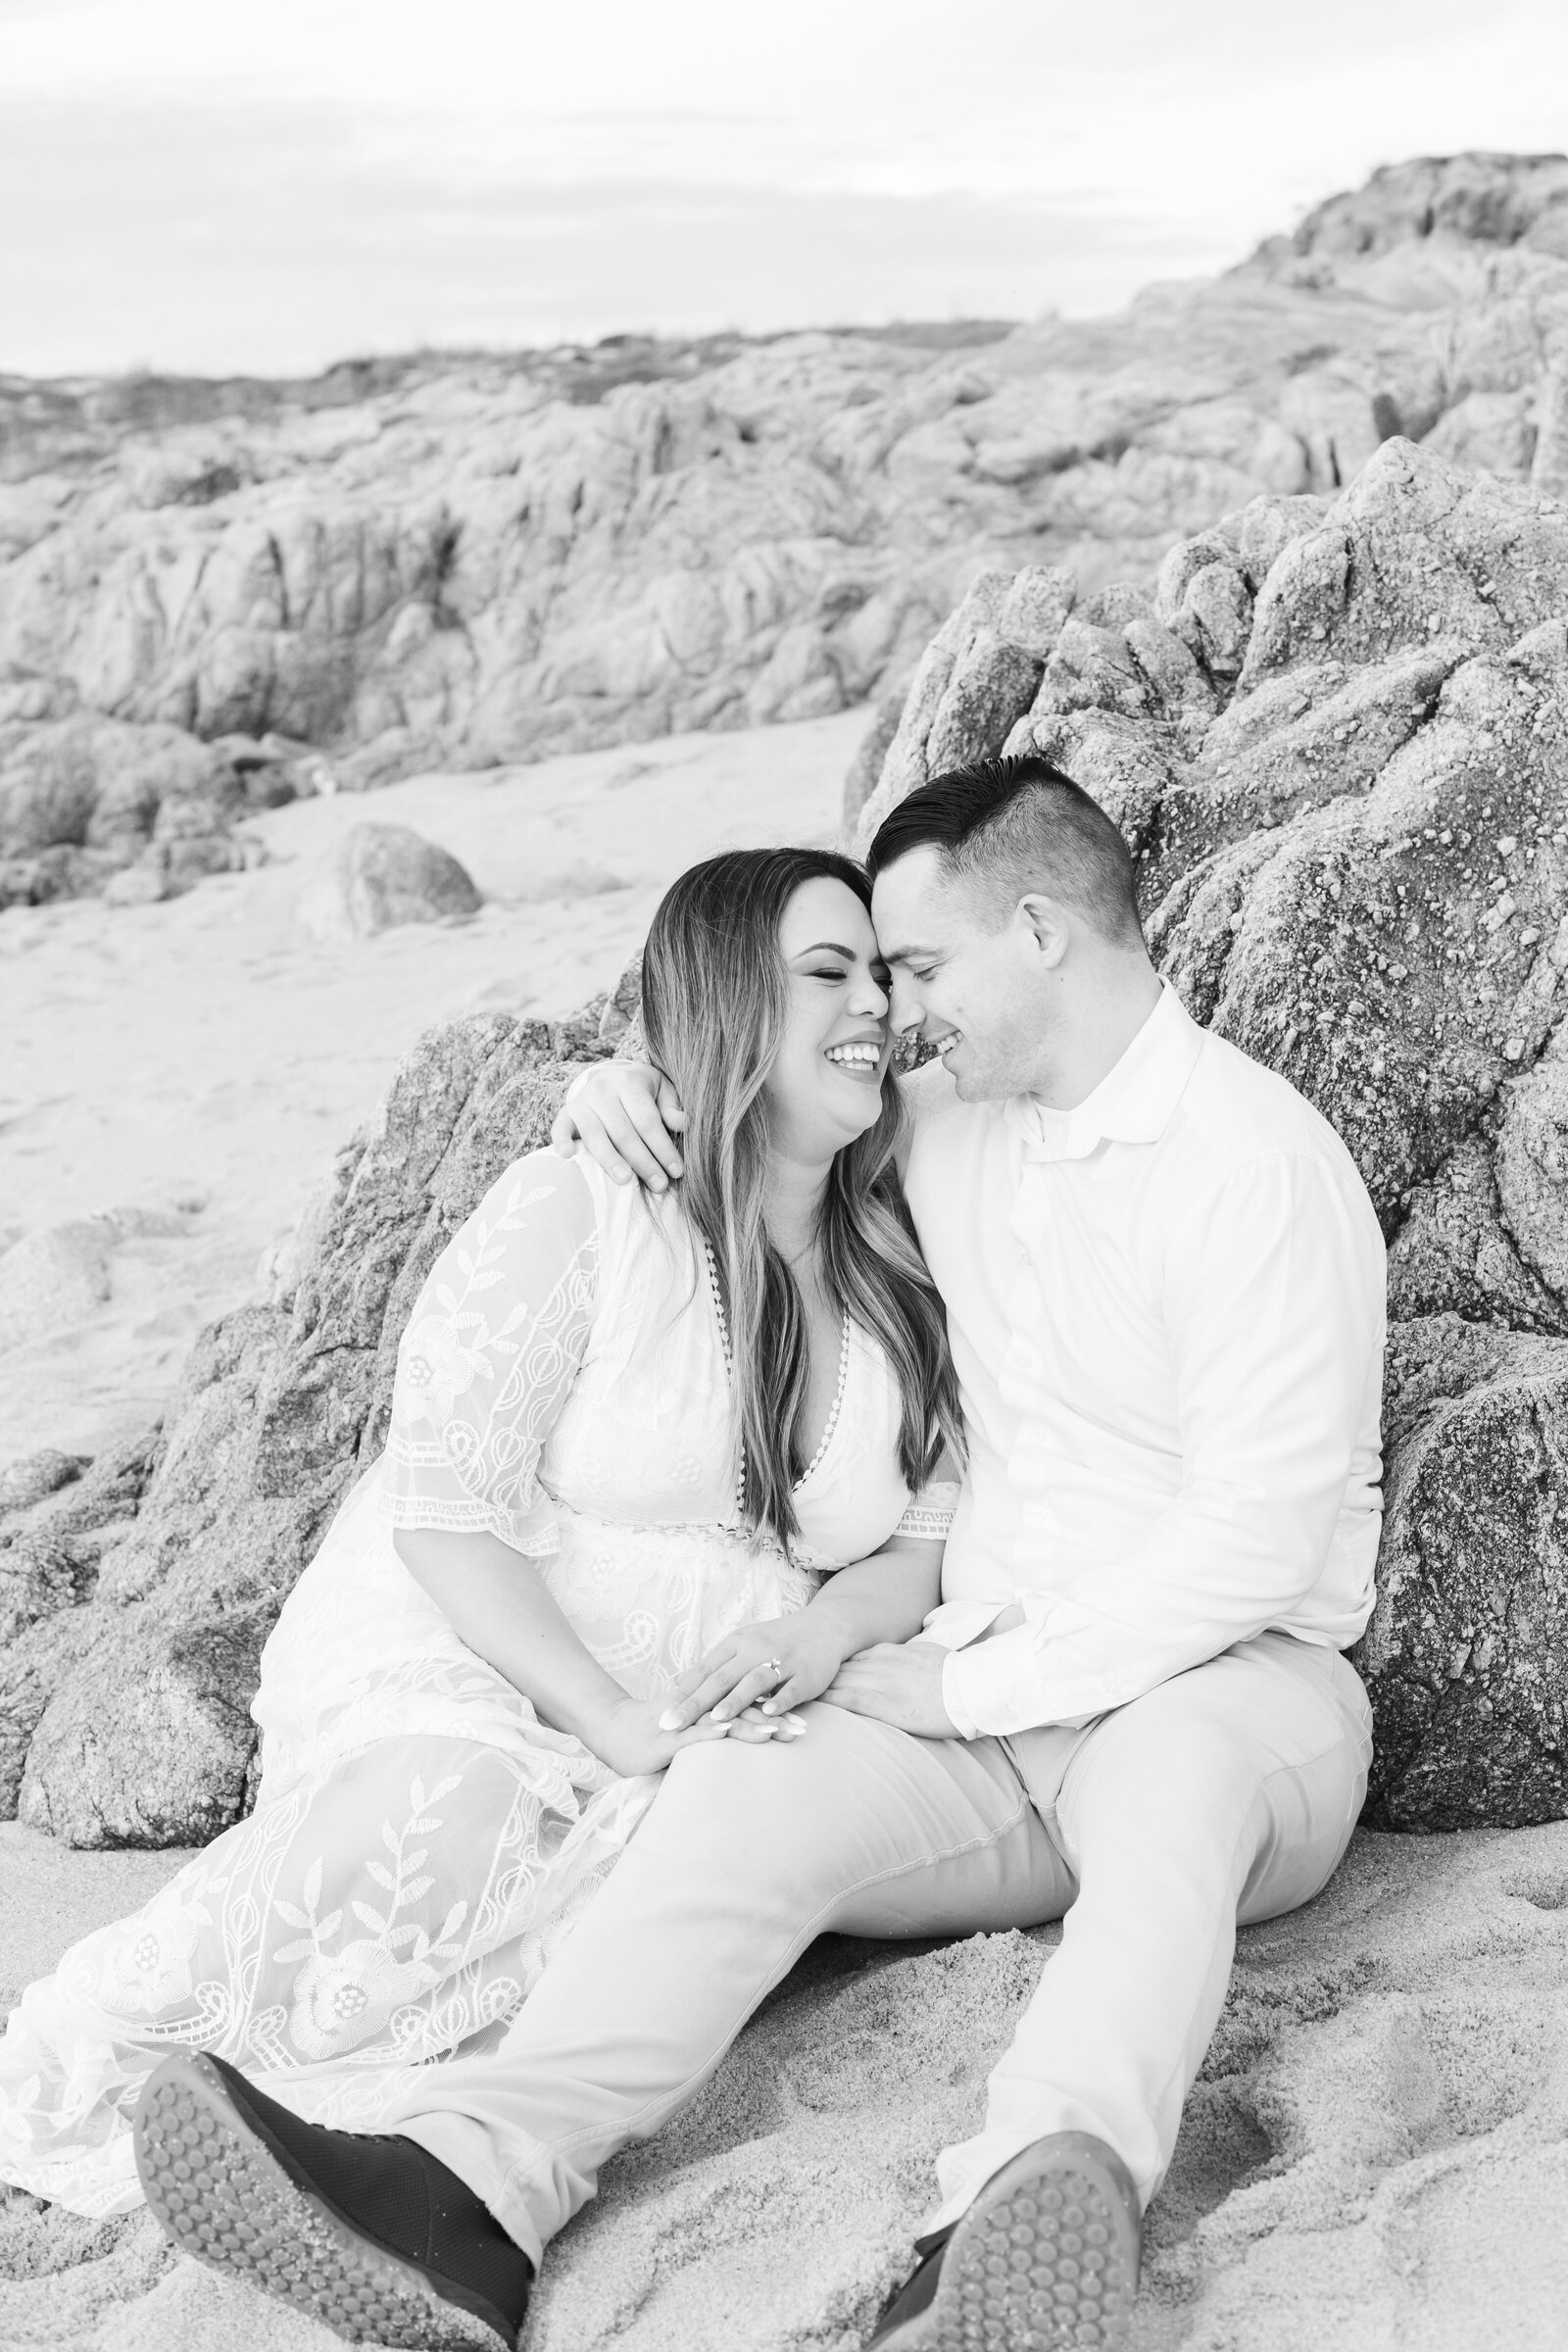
(54,1278)
(381,875)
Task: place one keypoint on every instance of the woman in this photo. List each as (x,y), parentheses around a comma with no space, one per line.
(629,1436)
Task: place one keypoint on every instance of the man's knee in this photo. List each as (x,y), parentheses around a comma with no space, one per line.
(1166,1752)
(1198,1780)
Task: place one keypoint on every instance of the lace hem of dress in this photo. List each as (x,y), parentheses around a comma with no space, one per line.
(928,1515)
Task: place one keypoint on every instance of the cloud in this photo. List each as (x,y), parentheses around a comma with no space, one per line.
(270,182)
(198,243)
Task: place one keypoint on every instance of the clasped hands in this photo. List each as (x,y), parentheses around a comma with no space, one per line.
(738,1682)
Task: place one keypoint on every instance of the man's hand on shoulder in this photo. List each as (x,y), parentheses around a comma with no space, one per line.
(899,1683)
(626,1116)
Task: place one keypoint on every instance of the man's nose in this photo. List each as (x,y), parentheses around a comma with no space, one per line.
(904,1007)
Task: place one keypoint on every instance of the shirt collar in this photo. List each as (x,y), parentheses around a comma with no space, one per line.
(1134,1100)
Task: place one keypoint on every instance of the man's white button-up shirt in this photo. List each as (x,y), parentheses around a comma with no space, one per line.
(1167,1312)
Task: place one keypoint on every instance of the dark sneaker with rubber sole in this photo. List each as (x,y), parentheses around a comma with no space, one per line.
(1044,2260)
(371,2234)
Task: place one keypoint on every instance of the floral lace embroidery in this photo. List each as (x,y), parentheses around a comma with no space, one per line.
(474,1399)
(423,1844)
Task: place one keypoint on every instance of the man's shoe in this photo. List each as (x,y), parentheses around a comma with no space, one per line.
(1046,2260)
(372,2235)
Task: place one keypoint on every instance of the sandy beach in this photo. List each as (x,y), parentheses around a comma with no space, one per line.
(1373,2161)
(1375,2157)
(189,1068)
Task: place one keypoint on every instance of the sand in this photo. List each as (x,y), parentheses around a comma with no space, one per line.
(1374,2161)
(199,1060)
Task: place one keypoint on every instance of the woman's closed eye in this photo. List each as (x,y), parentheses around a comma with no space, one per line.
(879,974)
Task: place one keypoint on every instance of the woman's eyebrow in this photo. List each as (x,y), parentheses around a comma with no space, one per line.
(833,945)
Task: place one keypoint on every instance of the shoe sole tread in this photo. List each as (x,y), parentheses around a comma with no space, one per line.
(224,2197)
(1046,2260)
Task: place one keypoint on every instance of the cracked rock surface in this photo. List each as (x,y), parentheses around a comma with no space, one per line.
(1353,846)
(214,596)
(1335,736)
(133,1603)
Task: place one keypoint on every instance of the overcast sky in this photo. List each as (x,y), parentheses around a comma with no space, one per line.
(272,185)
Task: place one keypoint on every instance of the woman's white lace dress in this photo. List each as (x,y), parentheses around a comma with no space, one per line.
(421,1843)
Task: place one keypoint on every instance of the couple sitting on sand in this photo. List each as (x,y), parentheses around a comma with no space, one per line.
(943,1509)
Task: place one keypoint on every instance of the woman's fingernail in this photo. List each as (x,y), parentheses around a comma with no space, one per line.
(768,1708)
(785,1733)
(795,1722)
(673,1720)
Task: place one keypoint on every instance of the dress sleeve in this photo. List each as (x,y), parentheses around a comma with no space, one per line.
(929,1515)
(489,1356)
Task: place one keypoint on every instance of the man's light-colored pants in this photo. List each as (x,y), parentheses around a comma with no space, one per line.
(1228,1792)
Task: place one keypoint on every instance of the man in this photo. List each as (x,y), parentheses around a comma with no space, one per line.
(1165,1286)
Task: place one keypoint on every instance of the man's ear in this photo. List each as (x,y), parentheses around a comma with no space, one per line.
(1043,928)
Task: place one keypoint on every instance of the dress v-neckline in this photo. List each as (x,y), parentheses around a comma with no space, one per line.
(835,1410)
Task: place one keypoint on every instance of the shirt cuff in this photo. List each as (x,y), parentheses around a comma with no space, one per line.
(998,1686)
(954,1623)
(963,1723)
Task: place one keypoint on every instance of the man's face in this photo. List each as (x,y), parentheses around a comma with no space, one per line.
(979,993)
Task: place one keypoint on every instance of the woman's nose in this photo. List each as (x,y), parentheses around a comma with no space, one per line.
(871,998)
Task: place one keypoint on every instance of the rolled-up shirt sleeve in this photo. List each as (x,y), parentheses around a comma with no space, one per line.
(1273,1303)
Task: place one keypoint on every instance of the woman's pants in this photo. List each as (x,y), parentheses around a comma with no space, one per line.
(1226,1794)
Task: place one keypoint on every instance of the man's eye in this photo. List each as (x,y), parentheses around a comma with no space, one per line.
(922,977)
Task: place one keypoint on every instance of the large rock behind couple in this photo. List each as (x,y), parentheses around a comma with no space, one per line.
(135,1593)
(1336,735)
(212,594)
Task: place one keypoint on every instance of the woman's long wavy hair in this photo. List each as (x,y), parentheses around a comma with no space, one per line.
(716,1001)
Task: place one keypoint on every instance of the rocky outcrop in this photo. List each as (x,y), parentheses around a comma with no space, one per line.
(89,803)
(1472,200)
(1336,735)
(471,559)
(57,1517)
(1335,729)
(1467,1651)
(128,1643)
(381,875)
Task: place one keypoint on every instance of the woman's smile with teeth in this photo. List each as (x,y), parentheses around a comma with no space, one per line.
(857,1056)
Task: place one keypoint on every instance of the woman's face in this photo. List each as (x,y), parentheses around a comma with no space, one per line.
(825,1087)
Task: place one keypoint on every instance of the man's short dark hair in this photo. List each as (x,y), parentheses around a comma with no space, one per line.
(1014,826)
